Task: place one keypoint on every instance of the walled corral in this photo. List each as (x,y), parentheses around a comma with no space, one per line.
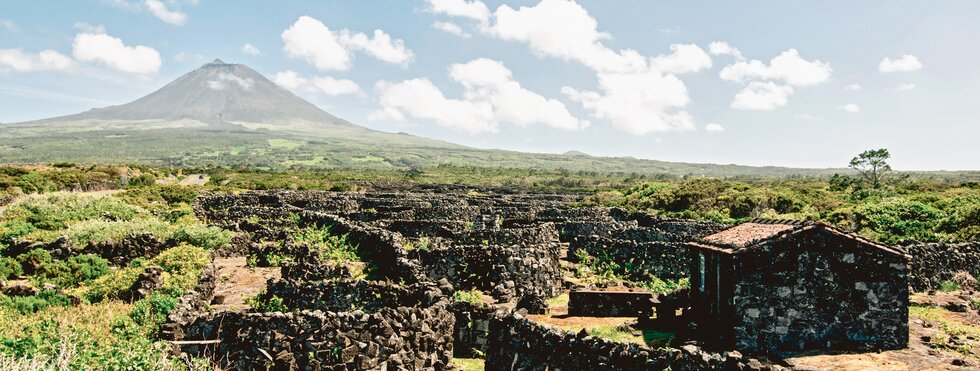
(420,250)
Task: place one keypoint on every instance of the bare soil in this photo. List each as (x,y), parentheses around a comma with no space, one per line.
(237,281)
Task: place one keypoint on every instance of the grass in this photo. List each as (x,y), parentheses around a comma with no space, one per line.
(947,286)
(469,364)
(949,326)
(558,301)
(619,333)
(284,144)
(473,296)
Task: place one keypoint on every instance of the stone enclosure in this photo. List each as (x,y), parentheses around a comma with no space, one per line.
(419,249)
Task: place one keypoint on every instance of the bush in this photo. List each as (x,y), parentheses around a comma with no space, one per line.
(264,303)
(9,267)
(330,247)
(33,260)
(152,311)
(142,180)
(181,265)
(473,296)
(54,211)
(81,269)
(32,304)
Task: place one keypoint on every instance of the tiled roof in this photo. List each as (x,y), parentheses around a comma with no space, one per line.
(745,234)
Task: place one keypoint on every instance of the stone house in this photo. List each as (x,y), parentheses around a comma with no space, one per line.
(785,286)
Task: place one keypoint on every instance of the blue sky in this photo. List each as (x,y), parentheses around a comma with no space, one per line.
(786,83)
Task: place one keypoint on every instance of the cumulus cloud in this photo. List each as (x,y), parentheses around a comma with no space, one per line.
(224,80)
(250,49)
(762,92)
(850,107)
(853,87)
(475,9)
(160,10)
(331,86)
(110,51)
(381,46)
(491,96)
(451,28)
(324,84)
(722,48)
(563,29)
(762,96)
(289,80)
(311,40)
(788,67)
(713,128)
(638,103)
(906,87)
(635,93)
(905,63)
(684,58)
(46,60)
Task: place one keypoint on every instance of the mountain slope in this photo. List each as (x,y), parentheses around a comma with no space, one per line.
(228,114)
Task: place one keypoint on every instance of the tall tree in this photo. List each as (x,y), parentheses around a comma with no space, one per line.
(872,165)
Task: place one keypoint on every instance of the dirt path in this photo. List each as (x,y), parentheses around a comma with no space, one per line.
(236,282)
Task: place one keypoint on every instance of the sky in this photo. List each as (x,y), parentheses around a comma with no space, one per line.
(782,83)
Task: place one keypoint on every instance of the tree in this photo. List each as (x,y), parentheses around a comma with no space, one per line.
(872,165)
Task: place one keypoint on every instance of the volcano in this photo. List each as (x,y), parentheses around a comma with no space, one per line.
(220,93)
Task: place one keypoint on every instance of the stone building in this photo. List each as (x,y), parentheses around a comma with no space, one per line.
(785,286)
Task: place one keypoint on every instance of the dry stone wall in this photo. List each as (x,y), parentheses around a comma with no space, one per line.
(931,264)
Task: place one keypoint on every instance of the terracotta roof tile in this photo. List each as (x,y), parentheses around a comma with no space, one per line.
(746,234)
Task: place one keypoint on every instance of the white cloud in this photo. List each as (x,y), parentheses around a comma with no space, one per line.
(638,103)
(905,63)
(906,87)
(787,66)
(762,91)
(762,96)
(8,25)
(185,57)
(88,28)
(225,79)
(683,59)
(491,96)
(713,128)
(451,28)
(331,86)
(323,84)
(289,80)
(475,9)
(850,107)
(250,49)
(381,46)
(722,48)
(563,29)
(853,87)
(110,51)
(636,94)
(46,60)
(160,10)
(311,40)
(421,99)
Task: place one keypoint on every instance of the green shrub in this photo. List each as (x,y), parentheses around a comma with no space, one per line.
(263,303)
(472,296)
(181,265)
(203,236)
(12,229)
(33,260)
(32,304)
(142,180)
(947,286)
(9,267)
(81,269)
(330,247)
(152,311)
(54,211)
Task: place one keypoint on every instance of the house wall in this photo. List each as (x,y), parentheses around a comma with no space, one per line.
(818,290)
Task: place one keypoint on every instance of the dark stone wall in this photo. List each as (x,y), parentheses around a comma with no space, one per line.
(931,264)
(471,329)
(347,295)
(610,304)
(393,338)
(818,290)
(517,343)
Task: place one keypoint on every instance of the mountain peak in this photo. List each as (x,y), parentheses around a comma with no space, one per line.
(222,93)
